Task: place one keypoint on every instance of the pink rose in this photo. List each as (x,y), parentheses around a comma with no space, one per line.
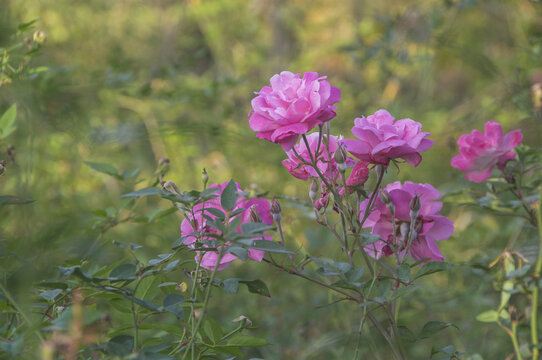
(326,164)
(479,153)
(429,226)
(292,106)
(381,139)
(196,225)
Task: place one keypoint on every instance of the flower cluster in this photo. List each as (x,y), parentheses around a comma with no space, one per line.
(286,110)
(195,228)
(479,153)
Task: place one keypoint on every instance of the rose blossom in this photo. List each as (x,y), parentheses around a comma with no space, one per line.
(195,224)
(479,153)
(381,139)
(429,225)
(292,106)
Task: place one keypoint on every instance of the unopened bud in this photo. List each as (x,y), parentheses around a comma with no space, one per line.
(403,229)
(40,37)
(414,207)
(385,197)
(380,170)
(313,191)
(340,159)
(2,167)
(276,210)
(204,177)
(254,216)
(171,187)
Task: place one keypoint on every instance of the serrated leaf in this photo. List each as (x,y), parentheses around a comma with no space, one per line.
(50,295)
(228,198)
(431,267)
(246,341)
(432,328)
(7,121)
(252,227)
(104,168)
(123,272)
(403,273)
(256,287)
(14,200)
(150,191)
(266,245)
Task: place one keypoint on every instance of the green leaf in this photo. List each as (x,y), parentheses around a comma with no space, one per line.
(404,290)
(266,245)
(172,304)
(432,328)
(123,272)
(7,121)
(27,25)
(120,345)
(14,200)
(150,191)
(246,341)
(251,227)
(50,295)
(403,273)
(230,286)
(431,267)
(256,287)
(215,212)
(229,196)
(104,168)
(238,251)
(354,275)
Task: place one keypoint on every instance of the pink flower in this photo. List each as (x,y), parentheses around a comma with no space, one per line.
(429,226)
(292,106)
(326,164)
(479,153)
(359,175)
(195,225)
(381,139)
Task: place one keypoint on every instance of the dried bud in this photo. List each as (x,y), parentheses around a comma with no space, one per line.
(171,187)
(2,167)
(204,177)
(385,197)
(254,216)
(244,320)
(163,162)
(11,153)
(276,210)
(313,191)
(340,159)
(40,37)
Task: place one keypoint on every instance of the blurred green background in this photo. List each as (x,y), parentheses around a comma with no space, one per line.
(131,81)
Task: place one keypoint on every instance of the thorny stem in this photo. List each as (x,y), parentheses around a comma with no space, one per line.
(513,336)
(134,316)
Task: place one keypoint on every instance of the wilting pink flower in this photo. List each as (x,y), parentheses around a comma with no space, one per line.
(479,153)
(429,226)
(195,225)
(326,164)
(292,106)
(359,174)
(381,139)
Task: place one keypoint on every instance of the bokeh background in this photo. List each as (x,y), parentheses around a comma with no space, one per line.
(130,82)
